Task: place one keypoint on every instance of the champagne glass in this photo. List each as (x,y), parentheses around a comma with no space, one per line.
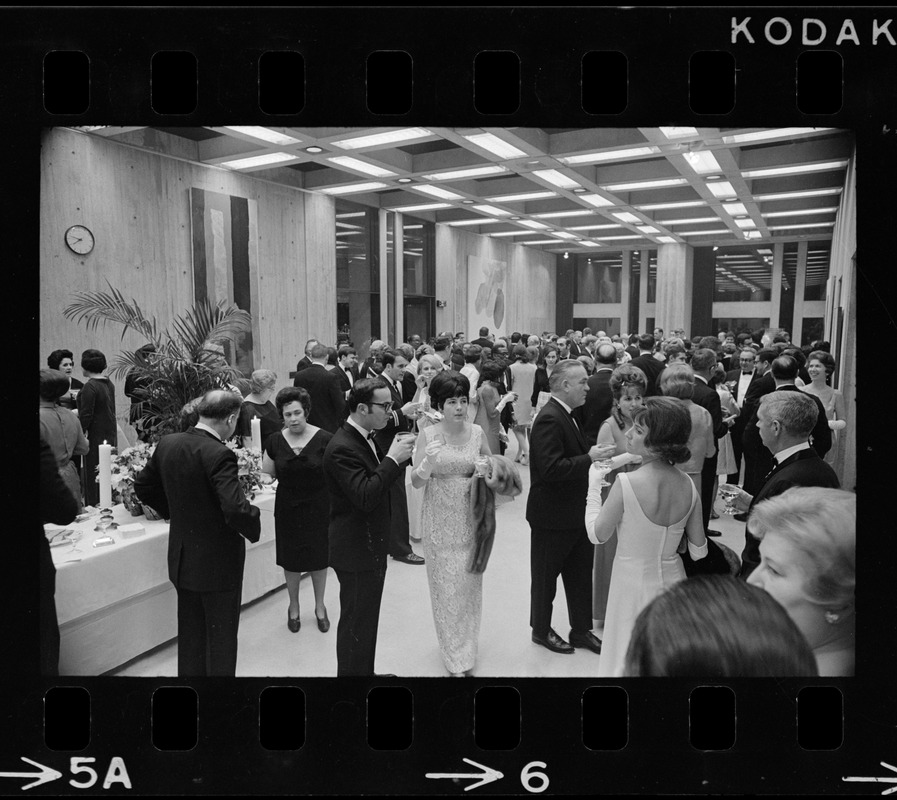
(729,494)
(606,462)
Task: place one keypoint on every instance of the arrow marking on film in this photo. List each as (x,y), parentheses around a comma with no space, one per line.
(887,779)
(486,776)
(45,775)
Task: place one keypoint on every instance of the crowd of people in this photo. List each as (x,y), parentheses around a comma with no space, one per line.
(627,439)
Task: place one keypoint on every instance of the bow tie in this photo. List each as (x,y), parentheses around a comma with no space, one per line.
(371,435)
(747,373)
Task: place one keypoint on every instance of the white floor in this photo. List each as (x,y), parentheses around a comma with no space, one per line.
(406,644)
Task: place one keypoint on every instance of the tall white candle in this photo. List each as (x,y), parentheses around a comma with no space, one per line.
(257,433)
(105,475)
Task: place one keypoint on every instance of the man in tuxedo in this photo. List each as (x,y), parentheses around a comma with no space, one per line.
(560,459)
(484,340)
(325,387)
(359,480)
(367,369)
(755,463)
(600,398)
(703,362)
(785,421)
(646,362)
(443,347)
(743,377)
(399,420)
(574,340)
(305,361)
(783,372)
(192,480)
(347,369)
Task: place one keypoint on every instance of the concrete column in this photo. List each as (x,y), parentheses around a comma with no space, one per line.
(775,297)
(799,291)
(675,264)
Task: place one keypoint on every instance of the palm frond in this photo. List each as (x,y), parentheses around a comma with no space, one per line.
(94,308)
(205,322)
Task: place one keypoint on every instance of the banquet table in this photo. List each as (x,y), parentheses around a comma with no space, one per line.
(115,602)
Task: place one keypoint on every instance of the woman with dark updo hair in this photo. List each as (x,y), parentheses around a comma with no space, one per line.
(650,509)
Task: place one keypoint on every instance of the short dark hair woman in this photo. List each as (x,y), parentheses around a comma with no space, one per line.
(96,411)
(649,509)
(64,361)
(60,429)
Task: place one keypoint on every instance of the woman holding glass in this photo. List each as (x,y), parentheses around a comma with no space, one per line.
(820,366)
(444,460)
(650,510)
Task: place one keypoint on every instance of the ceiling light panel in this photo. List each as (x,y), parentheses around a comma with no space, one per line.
(423,207)
(802,212)
(626,216)
(514,198)
(666,239)
(532,224)
(541,241)
(390,137)
(694,221)
(796,169)
(801,225)
(648,229)
(745,223)
(664,206)
(259,161)
(762,198)
(735,209)
(496,145)
(351,188)
(610,155)
(555,178)
(678,132)
(513,233)
(438,191)
(773,133)
(475,221)
(704,233)
(581,212)
(597,200)
(722,189)
(495,212)
(564,235)
(594,227)
(703,162)
(265,134)
(637,186)
(473,172)
(615,238)
(362,166)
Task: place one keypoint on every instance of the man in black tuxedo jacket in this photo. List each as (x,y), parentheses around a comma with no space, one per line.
(783,372)
(646,362)
(367,369)
(756,463)
(560,459)
(785,420)
(703,362)
(192,480)
(347,367)
(599,399)
(483,340)
(305,361)
(359,480)
(399,420)
(743,377)
(324,386)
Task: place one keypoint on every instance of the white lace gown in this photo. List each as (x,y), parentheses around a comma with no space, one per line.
(449,543)
(646,563)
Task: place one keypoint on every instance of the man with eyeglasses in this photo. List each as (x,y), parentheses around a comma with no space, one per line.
(360,479)
(742,378)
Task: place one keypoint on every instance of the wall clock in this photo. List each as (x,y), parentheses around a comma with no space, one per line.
(79,239)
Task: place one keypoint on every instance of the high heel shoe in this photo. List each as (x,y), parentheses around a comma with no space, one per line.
(293,624)
(323,623)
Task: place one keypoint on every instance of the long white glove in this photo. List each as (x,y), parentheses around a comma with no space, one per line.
(593,501)
(837,424)
(697,552)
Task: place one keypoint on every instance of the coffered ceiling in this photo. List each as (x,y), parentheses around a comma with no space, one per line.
(587,190)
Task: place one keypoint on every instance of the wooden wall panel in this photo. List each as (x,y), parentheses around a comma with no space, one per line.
(138,206)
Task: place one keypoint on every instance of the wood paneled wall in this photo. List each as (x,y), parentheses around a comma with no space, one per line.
(137,204)
(530,297)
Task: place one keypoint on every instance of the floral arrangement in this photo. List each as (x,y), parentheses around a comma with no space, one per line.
(249,468)
(125,466)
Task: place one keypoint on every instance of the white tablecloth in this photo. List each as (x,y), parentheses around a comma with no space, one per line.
(116,602)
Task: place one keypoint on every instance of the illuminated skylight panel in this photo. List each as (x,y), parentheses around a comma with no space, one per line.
(597,200)
(533,224)
(705,233)
(674,132)
(692,221)
(495,145)
(351,188)
(423,207)
(514,198)
(472,172)
(556,178)
(610,155)
(564,235)
(703,162)
(735,209)
(590,244)
(745,223)
(390,137)
(752,234)
(362,166)
(438,191)
(265,160)
(666,239)
(802,212)
(636,186)
(626,216)
(794,169)
(772,133)
(648,229)
(665,206)
(721,189)
(493,210)
(265,134)
(580,212)
(602,227)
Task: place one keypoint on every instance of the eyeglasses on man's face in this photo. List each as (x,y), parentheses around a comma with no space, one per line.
(387,407)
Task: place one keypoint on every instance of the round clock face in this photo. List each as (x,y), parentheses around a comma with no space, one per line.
(79,240)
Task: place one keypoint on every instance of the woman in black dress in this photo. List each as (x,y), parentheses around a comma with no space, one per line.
(96,411)
(302,505)
(258,404)
(64,361)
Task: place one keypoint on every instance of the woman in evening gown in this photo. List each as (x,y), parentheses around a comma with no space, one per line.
(428,365)
(650,509)
(444,462)
(523,377)
(302,505)
(491,401)
(820,366)
(96,412)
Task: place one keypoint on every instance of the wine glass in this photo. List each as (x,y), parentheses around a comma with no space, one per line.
(729,496)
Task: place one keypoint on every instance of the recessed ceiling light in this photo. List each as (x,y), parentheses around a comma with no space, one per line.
(722,189)
(801,225)
(590,244)
(421,207)
(259,161)
(350,188)
(692,221)
(594,227)
(678,132)
(390,137)
(797,169)
(475,221)
(362,166)
(580,190)
(745,223)
(704,233)
(578,212)
(563,235)
(626,216)
(735,209)
(438,191)
(514,233)
(666,239)
(473,172)
(702,161)
(512,198)
(597,200)
(515,217)
(752,234)
(636,186)
(614,238)
(314,149)
(680,204)
(495,145)
(265,134)
(610,155)
(648,229)
(541,241)
(404,180)
(790,195)
(772,133)
(468,202)
(556,178)
(803,212)
(532,224)
(497,212)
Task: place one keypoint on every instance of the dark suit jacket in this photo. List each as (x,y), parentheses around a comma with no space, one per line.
(360,512)
(191,479)
(575,349)
(804,468)
(304,363)
(598,405)
(735,375)
(709,399)
(366,370)
(397,421)
(652,368)
(759,387)
(328,399)
(821,436)
(540,384)
(409,386)
(559,471)
(737,430)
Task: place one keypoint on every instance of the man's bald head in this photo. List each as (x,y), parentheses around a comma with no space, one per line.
(606,354)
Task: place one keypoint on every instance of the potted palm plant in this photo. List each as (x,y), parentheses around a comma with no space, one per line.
(186,360)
